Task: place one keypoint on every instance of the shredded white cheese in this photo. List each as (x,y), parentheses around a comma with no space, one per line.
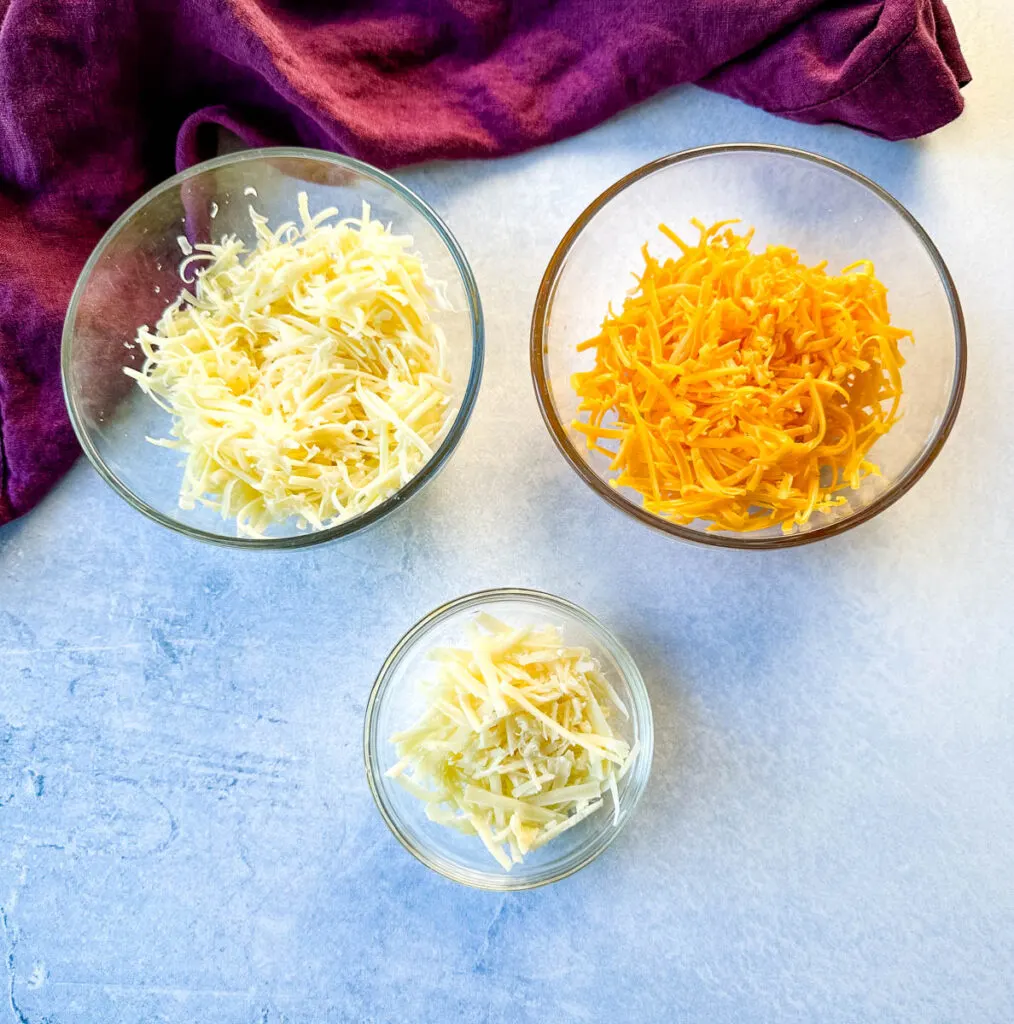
(515,745)
(306,378)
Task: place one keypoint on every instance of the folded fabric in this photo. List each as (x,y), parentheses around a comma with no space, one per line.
(98,97)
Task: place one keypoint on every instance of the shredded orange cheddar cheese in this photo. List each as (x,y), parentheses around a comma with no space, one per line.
(742,389)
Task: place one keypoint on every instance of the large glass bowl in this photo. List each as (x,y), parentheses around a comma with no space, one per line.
(397,701)
(133,275)
(824,210)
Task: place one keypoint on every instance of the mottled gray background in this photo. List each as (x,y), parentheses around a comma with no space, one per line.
(185,831)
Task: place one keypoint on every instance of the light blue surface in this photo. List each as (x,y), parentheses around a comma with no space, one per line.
(186,834)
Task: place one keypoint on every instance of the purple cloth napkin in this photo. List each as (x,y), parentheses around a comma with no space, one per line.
(98,98)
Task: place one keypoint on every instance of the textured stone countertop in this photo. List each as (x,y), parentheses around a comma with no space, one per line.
(186,833)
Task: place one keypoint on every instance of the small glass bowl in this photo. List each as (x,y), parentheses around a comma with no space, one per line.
(396,702)
(822,209)
(133,275)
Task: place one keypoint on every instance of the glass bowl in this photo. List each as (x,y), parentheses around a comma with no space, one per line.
(396,702)
(824,210)
(133,275)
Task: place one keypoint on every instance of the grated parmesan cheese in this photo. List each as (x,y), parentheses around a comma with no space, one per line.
(306,378)
(515,745)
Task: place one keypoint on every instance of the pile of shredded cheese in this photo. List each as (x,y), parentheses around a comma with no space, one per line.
(742,389)
(515,745)
(306,378)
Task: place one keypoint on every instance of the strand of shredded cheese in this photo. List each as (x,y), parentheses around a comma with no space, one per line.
(742,389)
(306,378)
(515,745)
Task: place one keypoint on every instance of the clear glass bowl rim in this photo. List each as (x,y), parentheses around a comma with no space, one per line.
(543,393)
(640,772)
(440,456)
